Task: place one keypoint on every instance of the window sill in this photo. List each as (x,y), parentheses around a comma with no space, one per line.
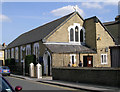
(104,63)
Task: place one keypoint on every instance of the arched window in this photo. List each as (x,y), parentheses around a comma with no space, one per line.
(36,49)
(21,51)
(81,35)
(71,34)
(6,55)
(76,33)
(12,53)
(16,53)
(28,49)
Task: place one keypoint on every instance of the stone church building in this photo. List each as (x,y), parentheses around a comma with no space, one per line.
(69,39)
(114,29)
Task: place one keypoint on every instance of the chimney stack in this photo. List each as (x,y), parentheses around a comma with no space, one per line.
(117,18)
(3,44)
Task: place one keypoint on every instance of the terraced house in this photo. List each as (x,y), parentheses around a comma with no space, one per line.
(2,48)
(67,39)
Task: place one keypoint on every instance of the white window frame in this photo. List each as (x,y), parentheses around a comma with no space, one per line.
(21,50)
(79,29)
(103,59)
(6,54)
(9,53)
(73,35)
(71,59)
(16,53)
(12,53)
(1,54)
(36,48)
(28,49)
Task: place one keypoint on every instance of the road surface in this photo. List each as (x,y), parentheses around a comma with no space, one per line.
(32,86)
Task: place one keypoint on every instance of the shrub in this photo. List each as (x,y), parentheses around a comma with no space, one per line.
(29,59)
(9,62)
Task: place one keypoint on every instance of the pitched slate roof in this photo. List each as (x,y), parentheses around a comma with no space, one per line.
(58,48)
(113,29)
(111,23)
(117,21)
(39,33)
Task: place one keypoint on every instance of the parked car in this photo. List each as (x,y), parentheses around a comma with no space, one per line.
(6,87)
(4,70)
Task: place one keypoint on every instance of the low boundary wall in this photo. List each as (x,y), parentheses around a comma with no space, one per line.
(99,76)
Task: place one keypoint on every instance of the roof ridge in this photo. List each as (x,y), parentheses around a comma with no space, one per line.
(102,25)
(44,32)
(50,22)
(71,15)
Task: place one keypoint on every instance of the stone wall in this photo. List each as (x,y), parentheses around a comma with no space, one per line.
(59,60)
(90,29)
(62,34)
(103,44)
(97,76)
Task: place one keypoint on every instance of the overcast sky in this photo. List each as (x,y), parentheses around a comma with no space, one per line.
(21,17)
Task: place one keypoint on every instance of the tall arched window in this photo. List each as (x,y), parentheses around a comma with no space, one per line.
(21,51)
(28,49)
(16,53)
(81,35)
(36,50)
(6,55)
(76,33)
(12,53)
(71,34)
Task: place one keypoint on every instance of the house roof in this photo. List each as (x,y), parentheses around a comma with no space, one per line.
(39,33)
(111,23)
(113,29)
(59,48)
(117,21)
(1,47)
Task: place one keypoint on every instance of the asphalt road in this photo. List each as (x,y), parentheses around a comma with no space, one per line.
(33,86)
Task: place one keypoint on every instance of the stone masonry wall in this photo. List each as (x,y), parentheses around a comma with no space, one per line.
(103,44)
(90,33)
(59,60)
(97,76)
(62,34)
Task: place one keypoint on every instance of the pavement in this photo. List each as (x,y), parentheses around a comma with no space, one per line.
(81,86)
